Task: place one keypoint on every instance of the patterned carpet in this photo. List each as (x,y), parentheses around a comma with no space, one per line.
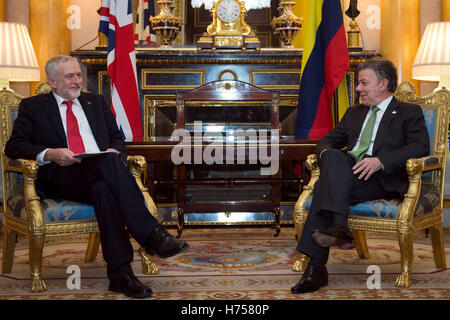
(235,264)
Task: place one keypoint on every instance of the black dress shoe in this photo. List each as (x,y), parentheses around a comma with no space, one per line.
(335,236)
(312,280)
(130,286)
(164,245)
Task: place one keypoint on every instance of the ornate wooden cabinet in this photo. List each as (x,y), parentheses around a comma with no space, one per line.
(162,73)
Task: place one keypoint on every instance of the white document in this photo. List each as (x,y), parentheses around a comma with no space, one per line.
(93,154)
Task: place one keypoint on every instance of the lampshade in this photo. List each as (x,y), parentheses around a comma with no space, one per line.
(432,61)
(17,58)
(249,4)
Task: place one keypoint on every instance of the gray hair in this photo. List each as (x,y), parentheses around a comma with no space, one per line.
(51,67)
(384,69)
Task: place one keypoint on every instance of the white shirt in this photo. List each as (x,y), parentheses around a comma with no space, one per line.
(90,145)
(382,106)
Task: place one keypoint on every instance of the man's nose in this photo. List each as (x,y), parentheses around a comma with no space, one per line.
(78,78)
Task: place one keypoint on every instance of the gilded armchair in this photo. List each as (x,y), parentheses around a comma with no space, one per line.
(25,213)
(422,205)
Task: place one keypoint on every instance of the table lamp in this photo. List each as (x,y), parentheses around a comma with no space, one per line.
(17,57)
(432,62)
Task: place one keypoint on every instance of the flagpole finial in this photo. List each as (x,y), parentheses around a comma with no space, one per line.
(102,38)
(352,11)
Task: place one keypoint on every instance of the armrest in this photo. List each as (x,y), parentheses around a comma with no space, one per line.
(431,163)
(137,165)
(312,164)
(415,167)
(29,170)
(20,165)
(138,169)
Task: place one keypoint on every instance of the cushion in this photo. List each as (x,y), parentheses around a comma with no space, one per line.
(388,209)
(54,210)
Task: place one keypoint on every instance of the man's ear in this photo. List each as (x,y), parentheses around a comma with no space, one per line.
(384,84)
(51,82)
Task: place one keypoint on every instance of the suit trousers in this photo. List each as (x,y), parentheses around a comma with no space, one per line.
(336,189)
(105,182)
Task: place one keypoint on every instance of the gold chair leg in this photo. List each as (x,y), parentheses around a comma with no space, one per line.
(299,224)
(300,263)
(361,244)
(35,256)
(405,241)
(92,248)
(437,239)
(148,267)
(9,242)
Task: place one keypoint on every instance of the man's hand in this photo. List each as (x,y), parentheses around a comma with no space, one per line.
(366,167)
(61,156)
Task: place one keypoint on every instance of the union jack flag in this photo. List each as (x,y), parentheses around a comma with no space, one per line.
(116,22)
(143,32)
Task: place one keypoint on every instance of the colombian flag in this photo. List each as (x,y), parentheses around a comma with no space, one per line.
(325,62)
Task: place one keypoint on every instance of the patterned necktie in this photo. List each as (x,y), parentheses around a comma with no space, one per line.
(76,144)
(366,136)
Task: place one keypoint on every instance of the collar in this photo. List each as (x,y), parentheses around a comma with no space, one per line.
(60,99)
(385,103)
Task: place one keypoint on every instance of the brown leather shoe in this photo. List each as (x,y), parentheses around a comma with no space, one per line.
(163,244)
(312,280)
(130,286)
(335,236)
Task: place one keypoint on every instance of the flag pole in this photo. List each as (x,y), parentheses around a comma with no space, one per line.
(336,107)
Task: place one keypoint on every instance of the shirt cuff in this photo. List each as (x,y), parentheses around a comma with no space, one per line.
(40,158)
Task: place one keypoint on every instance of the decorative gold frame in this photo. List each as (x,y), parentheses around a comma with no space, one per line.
(406,223)
(101,75)
(151,103)
(154,101)
(201,72)
(35,227)
(252,73)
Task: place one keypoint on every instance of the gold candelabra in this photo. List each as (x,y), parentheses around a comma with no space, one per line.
(166,24)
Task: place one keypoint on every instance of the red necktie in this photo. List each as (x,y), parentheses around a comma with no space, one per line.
(73,133)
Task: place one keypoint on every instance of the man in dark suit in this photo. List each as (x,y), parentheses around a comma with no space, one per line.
(52,128)
(363,158)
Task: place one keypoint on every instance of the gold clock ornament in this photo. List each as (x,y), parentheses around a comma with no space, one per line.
(228,29)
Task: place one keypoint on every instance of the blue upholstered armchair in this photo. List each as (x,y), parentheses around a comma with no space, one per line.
(26,214)
(420,208)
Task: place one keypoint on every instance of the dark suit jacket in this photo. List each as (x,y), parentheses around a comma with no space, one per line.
(402,134)
(39,126)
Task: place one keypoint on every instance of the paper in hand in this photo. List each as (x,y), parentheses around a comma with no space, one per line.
(93,154)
